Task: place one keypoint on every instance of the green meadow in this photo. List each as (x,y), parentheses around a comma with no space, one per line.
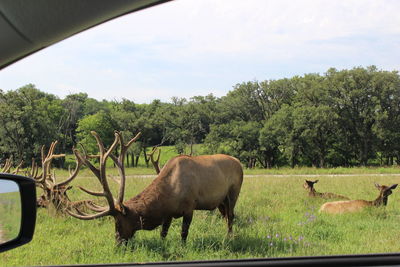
(274,218)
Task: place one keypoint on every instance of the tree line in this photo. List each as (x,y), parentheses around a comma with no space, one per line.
(339,118)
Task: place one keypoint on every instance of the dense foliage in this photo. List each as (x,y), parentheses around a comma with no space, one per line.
(340,118)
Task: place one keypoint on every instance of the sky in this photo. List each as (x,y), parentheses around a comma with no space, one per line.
(7,186)
(186,48)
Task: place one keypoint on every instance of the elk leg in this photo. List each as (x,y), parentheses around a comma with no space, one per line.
(230,220)
(187,219)
(221,208)
(229,214)
(165,227)
(232,198)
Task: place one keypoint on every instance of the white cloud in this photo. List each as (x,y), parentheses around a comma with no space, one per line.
(186,47)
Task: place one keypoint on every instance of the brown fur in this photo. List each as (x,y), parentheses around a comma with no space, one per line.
(184,184)
(309,186)
(339,207)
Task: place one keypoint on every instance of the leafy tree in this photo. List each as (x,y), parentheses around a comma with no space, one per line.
(244,103)
(341,118)
(314,120)
(354,98)
(315,129)
(73,105)
(30,119)
(278,134)
(187,122)
(239,139)
(275,93)
(131,119)
(387,115)
(102,123)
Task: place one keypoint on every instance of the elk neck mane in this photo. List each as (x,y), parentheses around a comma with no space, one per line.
(379,201)
(149,201)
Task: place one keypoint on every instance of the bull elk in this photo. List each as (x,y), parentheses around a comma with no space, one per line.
(309,187)
(338,207)
(183,185)
(54,192)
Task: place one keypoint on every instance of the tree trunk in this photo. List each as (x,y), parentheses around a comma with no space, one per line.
(127,160)
(191,146)
(146,159)
(133,160)
(137,160)
(321,163)
(293,160)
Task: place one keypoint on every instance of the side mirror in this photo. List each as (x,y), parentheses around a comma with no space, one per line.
(17,210)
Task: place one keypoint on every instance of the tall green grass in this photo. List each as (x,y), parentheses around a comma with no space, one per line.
(274,218)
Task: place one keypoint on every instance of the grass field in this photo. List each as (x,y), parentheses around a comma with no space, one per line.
(274,218)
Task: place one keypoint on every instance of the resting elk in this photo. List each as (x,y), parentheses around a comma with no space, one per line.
(309,186)
(183,185)
(338,207)
(54,192)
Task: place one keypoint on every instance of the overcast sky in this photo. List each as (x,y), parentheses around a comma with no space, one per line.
(7,186)
(190,47)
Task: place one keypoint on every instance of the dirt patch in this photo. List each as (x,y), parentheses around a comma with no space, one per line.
(286,175)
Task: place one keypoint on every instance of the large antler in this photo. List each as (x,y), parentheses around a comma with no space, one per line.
(45,177)
(46,162)
(155,162)
(72,174)
(18,167)
(8,164)
(33,172)
(100,173)
(53,192)
(120,164)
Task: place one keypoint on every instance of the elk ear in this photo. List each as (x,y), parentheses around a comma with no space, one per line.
(377,186)
(316,181)
(393,186)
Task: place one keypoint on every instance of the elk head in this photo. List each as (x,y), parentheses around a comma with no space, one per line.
(384,193)
(309,185)
(127,221)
